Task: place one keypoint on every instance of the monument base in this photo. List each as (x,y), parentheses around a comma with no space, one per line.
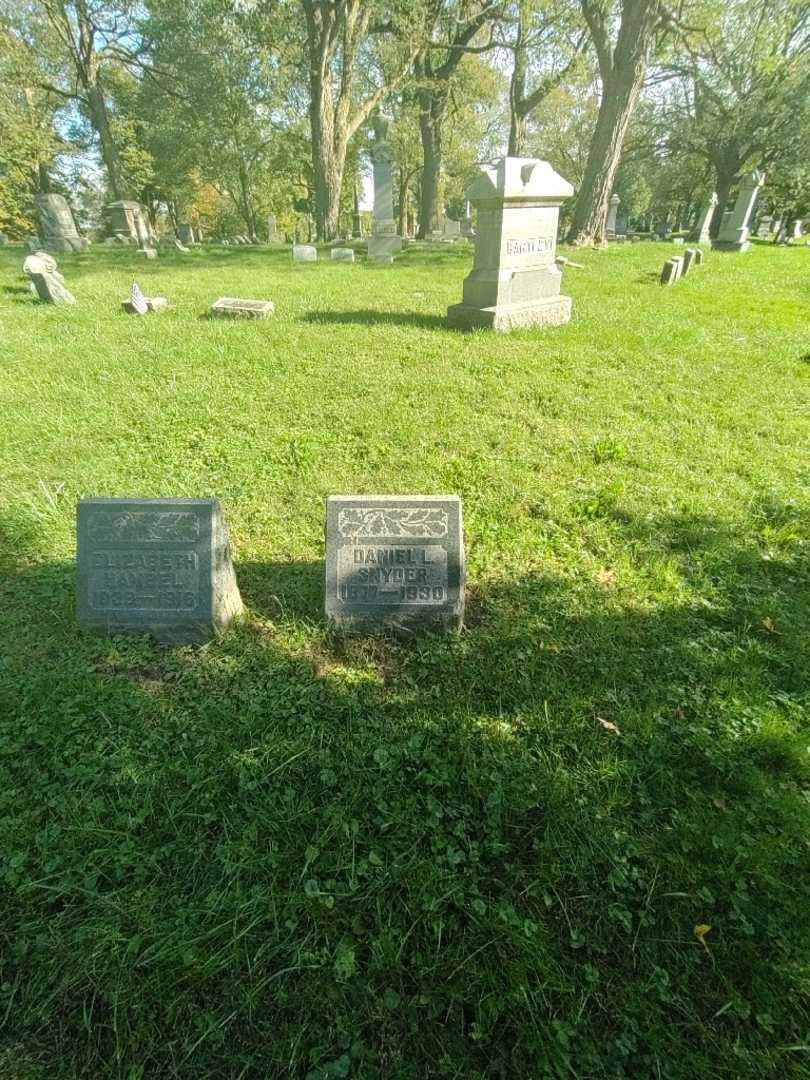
(552,311)
(731,245)
(383,248)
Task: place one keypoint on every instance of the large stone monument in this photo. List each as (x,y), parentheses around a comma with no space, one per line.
(384,243)
(613,209)
(394,562)
(158,566)
(185,233)
(129,219)
(733,234)
(57,229)
(701,232)
(515,281)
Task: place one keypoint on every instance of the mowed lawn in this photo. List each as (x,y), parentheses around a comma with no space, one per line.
(571,841)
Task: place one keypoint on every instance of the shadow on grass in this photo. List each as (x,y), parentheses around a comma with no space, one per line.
(369,317)
(554,798)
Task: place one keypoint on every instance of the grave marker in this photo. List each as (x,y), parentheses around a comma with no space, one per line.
(156,566)
(342,254)
(394,562)
(733,234)
(304,253)
(515,281)
(231,307)
(671,270)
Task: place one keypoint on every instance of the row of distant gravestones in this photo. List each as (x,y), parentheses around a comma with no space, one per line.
(394,564)
(680,265)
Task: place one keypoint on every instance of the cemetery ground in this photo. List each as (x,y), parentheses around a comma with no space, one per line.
(570,841)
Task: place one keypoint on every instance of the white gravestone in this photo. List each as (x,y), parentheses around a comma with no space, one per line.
(342,254)
(700,234)
(515,281)
(613,210)
(733,234)
(303,253)
(384,243)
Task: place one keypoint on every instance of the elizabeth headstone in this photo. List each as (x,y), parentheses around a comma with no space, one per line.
(394,563)
(515,281)
(155,566)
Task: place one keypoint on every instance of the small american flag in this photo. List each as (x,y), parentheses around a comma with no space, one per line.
(138,300)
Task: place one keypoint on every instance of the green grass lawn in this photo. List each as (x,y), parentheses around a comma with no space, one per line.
(287,854)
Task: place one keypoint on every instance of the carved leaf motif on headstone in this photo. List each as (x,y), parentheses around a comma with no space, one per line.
(415,521)
(145,527)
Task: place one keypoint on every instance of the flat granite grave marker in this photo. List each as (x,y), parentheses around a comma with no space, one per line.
(155,566)
(231,307)
(394,562)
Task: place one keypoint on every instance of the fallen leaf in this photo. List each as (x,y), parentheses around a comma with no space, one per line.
(608,726)
(767,622)
(606,577)
(718,804)
(700,931)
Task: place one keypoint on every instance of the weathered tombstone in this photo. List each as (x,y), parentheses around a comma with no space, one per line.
(733,234)
(185,234)
(155,566)
(698,258)
(700,234)
(764,227)
(272,230)
(49,287)
(123,217)
(342,254)
(452,229)
(515,281)
(138,304)
(613,209)
(384,243)
(689,259)
(231,307)
(40,262)
(394,563)
(57,229)
(796,233)
(781,234)
(671,270)
(678,240)
(466,222)
(304,253)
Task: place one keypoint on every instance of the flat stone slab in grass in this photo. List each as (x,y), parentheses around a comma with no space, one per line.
(394,563)
(231,307)
(302,253)
(155,566)
(342,254)
(153,304)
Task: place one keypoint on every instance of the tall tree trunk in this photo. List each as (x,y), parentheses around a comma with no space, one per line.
(431,116)
(619,97)
(97,107)
(517,89)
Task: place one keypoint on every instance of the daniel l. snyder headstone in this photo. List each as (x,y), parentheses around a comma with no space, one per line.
(394,563)
(156,566)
